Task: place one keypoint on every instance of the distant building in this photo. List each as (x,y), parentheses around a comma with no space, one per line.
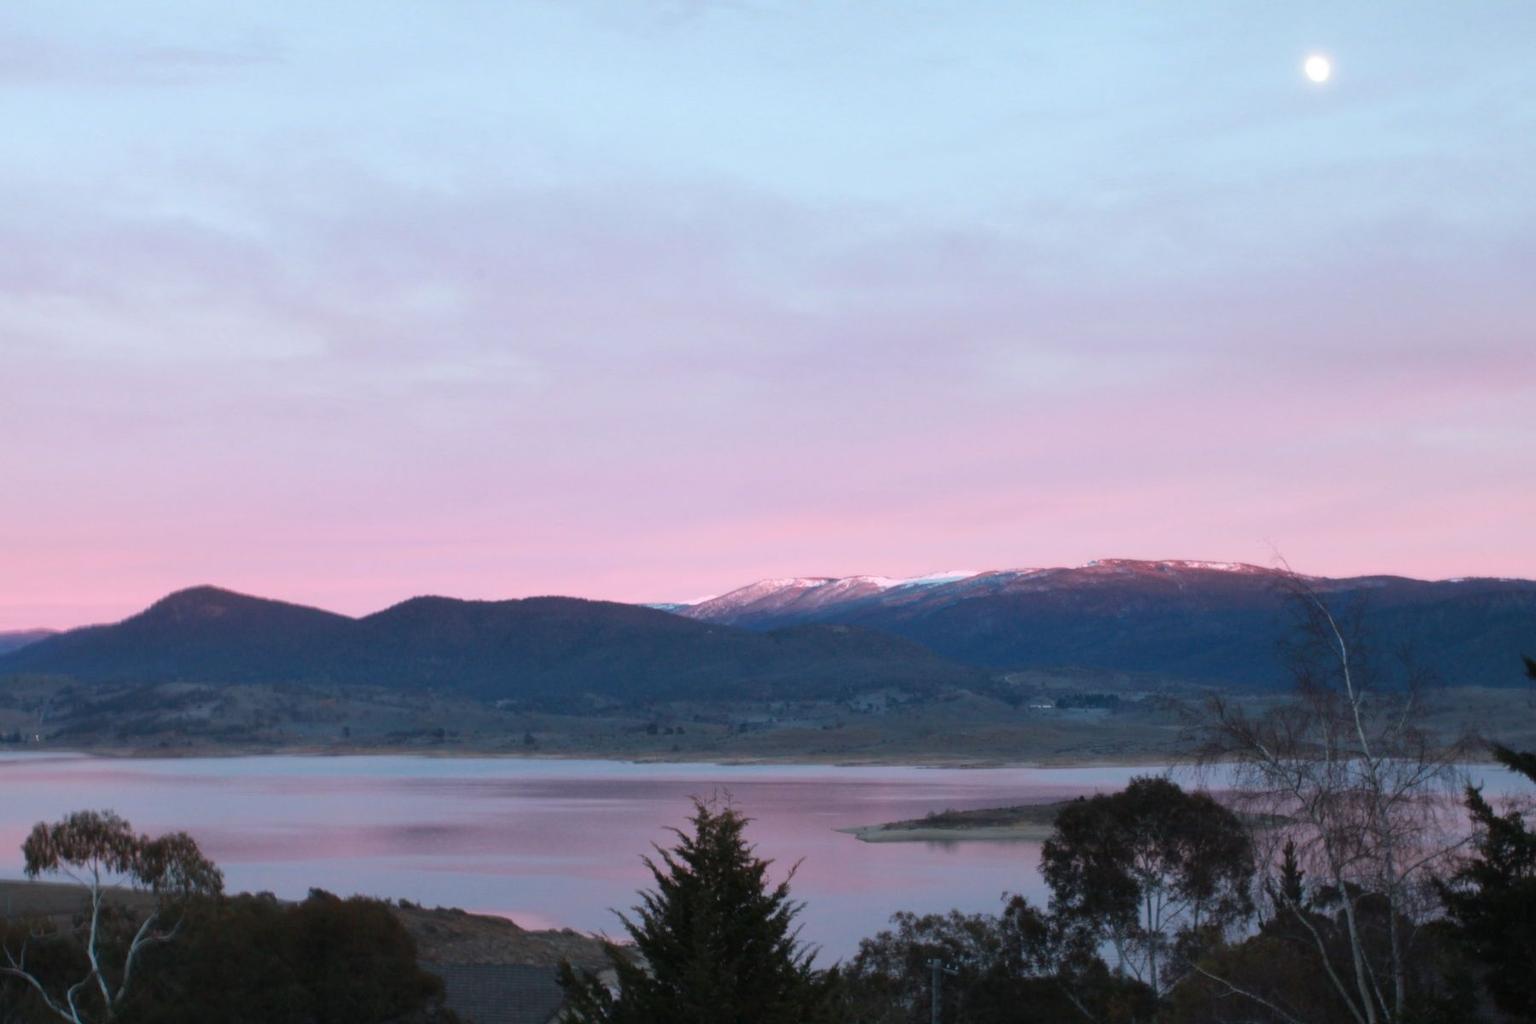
(500,993)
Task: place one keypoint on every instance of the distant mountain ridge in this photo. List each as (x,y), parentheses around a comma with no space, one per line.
(1218,621)
(15,639)
(801,598)
(543,647)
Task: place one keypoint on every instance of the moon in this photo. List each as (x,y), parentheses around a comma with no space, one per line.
(1318,68)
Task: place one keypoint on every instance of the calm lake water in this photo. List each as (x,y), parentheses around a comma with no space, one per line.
(546,842)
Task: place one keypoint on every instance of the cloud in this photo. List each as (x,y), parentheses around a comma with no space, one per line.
(34,60)
(343,310)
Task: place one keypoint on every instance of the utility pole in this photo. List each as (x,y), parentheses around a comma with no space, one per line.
(939,968)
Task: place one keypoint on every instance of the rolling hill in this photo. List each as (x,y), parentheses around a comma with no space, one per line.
(806,637)
(535,648)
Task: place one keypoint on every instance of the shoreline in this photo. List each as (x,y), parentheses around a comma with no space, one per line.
(956,762)
(1032,822)
(985,834)
(933,760)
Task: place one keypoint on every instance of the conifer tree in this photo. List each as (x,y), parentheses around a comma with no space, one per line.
(713,943)
(1289,887)
(1493,897)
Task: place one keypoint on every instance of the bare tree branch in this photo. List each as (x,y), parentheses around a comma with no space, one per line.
(1359,788)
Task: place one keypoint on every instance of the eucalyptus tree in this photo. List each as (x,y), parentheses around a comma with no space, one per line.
(101,853)
(1155,872)
(1019,960)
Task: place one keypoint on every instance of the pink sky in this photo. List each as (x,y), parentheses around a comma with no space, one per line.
(343,310)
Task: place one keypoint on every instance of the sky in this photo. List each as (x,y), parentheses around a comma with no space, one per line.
(347,302)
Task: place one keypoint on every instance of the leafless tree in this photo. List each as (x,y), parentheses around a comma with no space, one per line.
(100,851)
(1347,772)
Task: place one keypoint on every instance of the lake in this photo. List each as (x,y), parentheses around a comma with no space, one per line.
(550,843)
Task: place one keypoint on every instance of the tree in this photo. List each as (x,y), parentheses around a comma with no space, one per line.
(1019,958)
(1492,898)
(1272,976)
(255,960)
(1347,774)
(51,959)
(1153,871)
(100,851)
(889,980)
(714,941)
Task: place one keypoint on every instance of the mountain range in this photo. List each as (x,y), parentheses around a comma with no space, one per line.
(1220,623)
(543,647)
(1210,621)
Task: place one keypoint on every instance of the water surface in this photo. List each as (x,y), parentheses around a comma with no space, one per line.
(549,842)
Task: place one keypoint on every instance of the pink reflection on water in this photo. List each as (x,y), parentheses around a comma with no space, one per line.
(551,843)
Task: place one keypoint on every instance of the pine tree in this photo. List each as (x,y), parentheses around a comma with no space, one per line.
(1290,890)
(713,943)
(1493,897)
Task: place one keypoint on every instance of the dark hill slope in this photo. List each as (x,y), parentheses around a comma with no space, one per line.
(538,647)
(560,644)
(203,633)
(1186,619)
(1223,633)
(16,639)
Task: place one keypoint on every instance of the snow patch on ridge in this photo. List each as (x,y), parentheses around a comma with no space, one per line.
(936,578)
(1134,564)
(788,595)
(810,592)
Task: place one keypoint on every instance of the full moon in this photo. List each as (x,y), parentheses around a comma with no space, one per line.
(1318,68)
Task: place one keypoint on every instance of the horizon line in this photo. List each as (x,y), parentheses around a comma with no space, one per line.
(1214,565)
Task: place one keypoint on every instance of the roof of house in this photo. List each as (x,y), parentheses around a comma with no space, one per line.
(500,993)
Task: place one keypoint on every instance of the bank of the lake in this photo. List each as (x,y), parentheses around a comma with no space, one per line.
(1029,823)
(958,761)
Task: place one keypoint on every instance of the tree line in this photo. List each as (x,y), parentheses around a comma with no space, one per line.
(1349,875)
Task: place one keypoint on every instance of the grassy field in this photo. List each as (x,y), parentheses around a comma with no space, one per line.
(1028,718)
(1025,823)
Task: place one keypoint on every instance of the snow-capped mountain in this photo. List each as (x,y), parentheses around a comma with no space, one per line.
(796,599)
(805,597)
(1194,619)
